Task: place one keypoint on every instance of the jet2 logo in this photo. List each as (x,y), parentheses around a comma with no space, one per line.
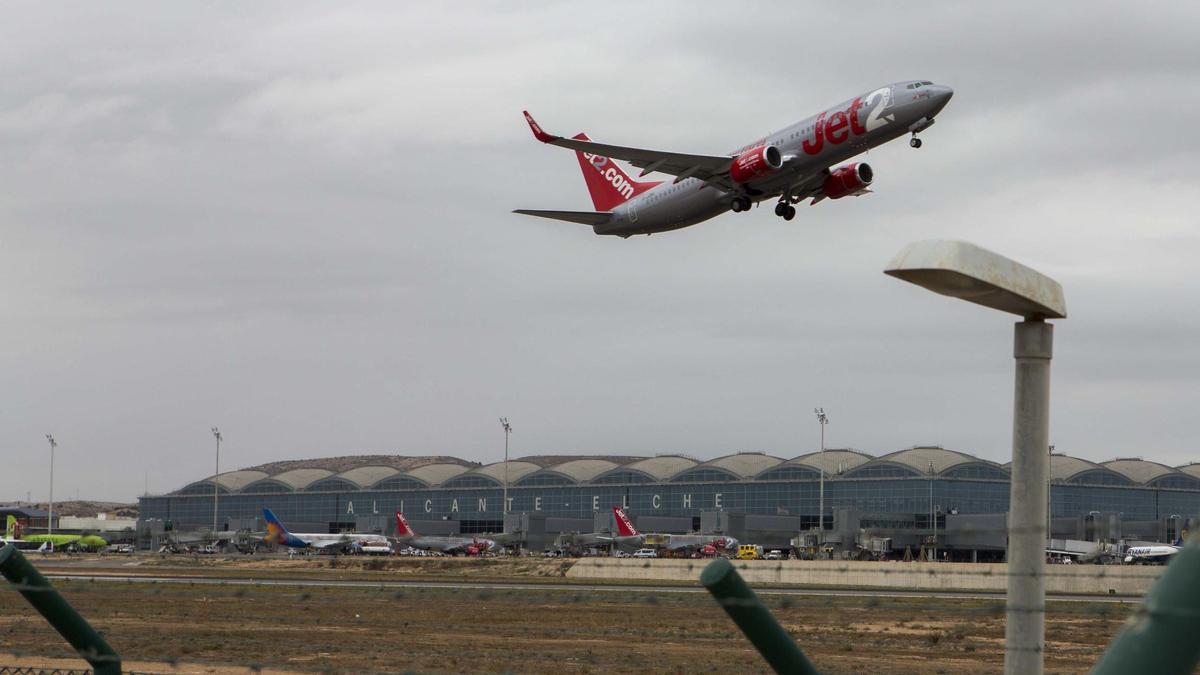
(612,174)
(839,126)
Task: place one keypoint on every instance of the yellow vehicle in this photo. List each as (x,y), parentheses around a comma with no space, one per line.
(749,552)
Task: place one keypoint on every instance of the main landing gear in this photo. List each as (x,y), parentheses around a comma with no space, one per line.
(740,204)
(914,141)
(785,210)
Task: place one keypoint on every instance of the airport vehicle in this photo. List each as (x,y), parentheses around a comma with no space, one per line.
(453,545)
(34,541)
(773,555)
(278,534)
(1152,555)
(795,163)
(627,533)
(645,553)
(749,552)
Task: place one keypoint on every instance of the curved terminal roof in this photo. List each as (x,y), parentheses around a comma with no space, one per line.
(1192,469)
(516,471)
(436,474)
(744,465)
(740,466)
(1140,471)
(236,480)
(662,467)
(298,479)
(582,470)
(366,476)
(920,459)
(832,461)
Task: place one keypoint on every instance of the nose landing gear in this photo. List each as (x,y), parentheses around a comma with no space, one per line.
(914,141)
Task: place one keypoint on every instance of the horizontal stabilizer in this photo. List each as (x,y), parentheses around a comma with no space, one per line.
(581,217)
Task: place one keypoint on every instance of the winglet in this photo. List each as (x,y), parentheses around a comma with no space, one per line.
(537,130)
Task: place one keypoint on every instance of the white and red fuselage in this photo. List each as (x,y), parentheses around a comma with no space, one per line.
(797,162)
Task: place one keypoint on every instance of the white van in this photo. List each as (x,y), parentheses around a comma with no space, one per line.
(645,553)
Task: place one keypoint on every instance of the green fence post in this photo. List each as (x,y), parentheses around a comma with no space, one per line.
(755,620)
(58,612)
(1161,636)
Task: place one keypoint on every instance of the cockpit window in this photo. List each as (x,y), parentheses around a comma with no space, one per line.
(927,83)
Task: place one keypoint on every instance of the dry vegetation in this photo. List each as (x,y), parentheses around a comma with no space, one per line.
(471,629)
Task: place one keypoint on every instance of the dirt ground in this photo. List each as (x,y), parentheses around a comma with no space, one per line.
(177,628)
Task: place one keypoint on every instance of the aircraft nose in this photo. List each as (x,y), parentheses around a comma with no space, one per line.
(941,95)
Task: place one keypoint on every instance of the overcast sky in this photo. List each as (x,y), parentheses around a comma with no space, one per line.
(293,221)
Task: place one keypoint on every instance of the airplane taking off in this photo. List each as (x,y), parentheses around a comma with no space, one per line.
(792,164)
(278,534)
(468,545)
(708,544)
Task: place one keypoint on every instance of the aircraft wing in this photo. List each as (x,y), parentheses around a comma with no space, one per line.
(712,169)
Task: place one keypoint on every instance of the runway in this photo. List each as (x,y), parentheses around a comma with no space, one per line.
(633,589)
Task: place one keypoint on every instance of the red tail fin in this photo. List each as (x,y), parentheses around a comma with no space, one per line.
(625,526)
(402,528)
(609,184)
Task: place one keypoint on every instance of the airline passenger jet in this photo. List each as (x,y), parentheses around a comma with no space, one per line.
(790,165)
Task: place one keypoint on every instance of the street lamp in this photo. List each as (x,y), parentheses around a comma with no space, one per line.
(822,420)
(507,431)
(50,518)
(966,271)
(216,473)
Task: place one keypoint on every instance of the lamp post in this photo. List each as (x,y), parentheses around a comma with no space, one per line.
(1174,518)
(507,431)
(216,472)
(965,271)
(822,420)
(932,513)
(50,517)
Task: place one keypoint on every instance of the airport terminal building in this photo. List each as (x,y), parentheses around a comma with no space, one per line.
(907,498)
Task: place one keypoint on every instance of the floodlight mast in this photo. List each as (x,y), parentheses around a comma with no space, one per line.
(822,420)
(504,504)
(50,517)
(216,481)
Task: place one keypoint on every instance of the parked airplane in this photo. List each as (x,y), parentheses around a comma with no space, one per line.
(597,539)
(1152,555)
(707,544)
(468,545)
(792,164)
(13,535)
(278,534)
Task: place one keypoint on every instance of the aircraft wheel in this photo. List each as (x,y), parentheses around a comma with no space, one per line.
(915,142)
(781,208)
(736,205)
(746,203)
(789,213)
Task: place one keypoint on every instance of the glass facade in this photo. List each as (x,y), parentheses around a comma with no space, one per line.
(477,499)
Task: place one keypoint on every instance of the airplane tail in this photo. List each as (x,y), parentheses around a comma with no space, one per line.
(609,185)
(402,528)
(625,526)
(276,532)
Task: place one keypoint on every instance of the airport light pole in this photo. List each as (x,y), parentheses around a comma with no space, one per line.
(962,270)
(822,420)
(216,472)
(932,514)
(50,517)
(507,431)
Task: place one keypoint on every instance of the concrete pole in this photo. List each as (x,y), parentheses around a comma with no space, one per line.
(1025,629)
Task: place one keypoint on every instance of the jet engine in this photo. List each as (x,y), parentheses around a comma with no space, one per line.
(755,163)
(847,180)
